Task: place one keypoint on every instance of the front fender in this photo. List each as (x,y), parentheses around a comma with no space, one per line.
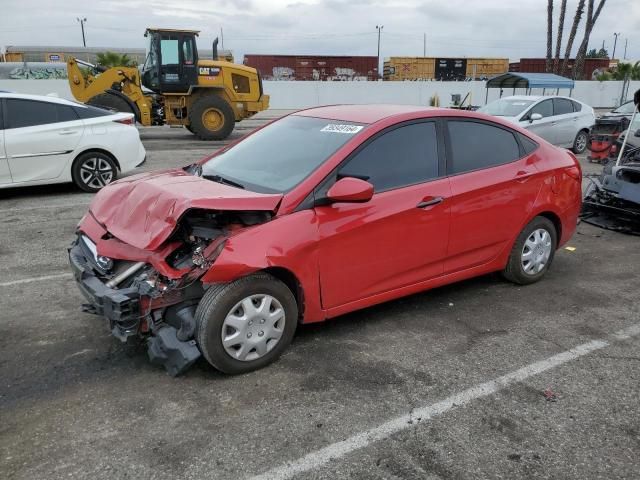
(289,242)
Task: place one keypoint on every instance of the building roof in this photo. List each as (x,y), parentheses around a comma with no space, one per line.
(530,80)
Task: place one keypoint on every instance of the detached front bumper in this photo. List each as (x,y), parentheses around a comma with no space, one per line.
(120,306)
(122,309)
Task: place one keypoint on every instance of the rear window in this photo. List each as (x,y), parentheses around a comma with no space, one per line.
(528,144)
(562,106)
(87,111)
(476,145)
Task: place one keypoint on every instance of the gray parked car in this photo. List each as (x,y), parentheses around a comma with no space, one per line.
(563,121)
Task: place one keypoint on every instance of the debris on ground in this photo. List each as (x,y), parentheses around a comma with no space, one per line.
(550,395)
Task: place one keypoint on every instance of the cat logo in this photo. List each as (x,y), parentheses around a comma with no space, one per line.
(208,71)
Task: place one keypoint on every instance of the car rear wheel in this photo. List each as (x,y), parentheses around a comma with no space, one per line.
(246,324)
(532,253)
(93,170)
(580,142)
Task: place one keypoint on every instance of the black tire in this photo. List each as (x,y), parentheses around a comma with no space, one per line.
(188,127)
(217,303)
(90,178)
(110,102)
(514,271)
(580,142)
(211,105)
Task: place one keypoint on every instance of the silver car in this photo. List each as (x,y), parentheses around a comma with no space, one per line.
(563,121)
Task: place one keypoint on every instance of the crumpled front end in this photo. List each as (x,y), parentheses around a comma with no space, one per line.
(152,295)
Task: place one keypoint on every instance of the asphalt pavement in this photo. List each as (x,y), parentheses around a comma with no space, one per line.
(480,379)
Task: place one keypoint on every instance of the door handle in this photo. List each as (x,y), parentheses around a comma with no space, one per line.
(430,202)
(67,132)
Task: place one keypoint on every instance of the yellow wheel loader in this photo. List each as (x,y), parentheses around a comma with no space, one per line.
(174,87)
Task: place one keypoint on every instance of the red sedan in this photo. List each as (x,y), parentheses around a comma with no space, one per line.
(320,213)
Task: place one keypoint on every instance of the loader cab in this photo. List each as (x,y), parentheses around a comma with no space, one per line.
(171,65)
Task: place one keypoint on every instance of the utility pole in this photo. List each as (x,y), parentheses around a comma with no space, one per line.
(221,38)
(424,45)
(626,41)
(379,28)
(82,21)
(615,41)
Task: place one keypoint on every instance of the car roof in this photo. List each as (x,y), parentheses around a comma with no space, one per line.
(535,98)
(41,98)
(369,113)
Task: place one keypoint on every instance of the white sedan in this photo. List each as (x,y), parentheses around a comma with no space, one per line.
(562,121)
(50,140)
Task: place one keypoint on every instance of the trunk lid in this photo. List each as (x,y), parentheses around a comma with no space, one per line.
(143,210)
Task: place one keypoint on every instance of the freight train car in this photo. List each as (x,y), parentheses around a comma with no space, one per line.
(445,68)
(313,67)
(592,66)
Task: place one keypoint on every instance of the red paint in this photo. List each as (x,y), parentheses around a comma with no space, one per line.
(347,256)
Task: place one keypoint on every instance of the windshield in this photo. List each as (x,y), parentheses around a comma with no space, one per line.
(625,108)
(281,155)
(506,107)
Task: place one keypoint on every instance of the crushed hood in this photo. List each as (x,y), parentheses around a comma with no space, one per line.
(143,210)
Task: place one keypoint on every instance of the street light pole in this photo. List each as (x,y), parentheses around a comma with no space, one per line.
(379,28)
(82,20)
(615,41)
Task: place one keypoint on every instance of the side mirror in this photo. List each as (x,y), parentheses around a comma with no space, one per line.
(535,116)
(350,190)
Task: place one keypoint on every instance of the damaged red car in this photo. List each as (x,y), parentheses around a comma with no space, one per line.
(322,212)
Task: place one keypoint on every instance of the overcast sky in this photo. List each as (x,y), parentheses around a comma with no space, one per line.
(480,28)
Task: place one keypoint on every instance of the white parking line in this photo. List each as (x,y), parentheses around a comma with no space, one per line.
(35,279)
(337,450)
(63,205)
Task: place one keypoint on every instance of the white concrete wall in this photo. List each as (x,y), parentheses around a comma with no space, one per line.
(291,95)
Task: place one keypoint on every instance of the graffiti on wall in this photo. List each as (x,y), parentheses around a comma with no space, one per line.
(37,73)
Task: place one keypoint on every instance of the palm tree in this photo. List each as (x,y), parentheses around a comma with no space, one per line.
(556,60)
(549,35)
(572,36)
(582,51)
(112,59)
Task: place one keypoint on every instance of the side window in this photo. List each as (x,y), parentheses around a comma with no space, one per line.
(477,145)
(66,113)
(576,106)
(169,52)
(1,117)
(28,113)
(87,111)
(528,144)
(404,156)
(187,51)
(562,106)
(544,108)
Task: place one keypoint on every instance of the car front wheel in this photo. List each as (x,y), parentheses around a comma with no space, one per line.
(246,324)
(93,170)
(532,253)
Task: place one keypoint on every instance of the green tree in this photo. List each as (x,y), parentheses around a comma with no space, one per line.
(112,59)
(593,53)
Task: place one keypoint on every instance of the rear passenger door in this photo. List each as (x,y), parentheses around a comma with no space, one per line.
(566,122)
(40,138)
(494,184)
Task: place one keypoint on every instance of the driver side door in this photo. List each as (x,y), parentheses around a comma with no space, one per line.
(400,236)
(545,127)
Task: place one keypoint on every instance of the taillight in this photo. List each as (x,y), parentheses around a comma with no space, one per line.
(574,172)
(126,121)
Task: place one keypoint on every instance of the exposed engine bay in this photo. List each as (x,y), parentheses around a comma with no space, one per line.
(612,199)
(143,304)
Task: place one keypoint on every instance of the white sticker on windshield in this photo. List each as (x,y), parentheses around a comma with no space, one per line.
(350,129)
